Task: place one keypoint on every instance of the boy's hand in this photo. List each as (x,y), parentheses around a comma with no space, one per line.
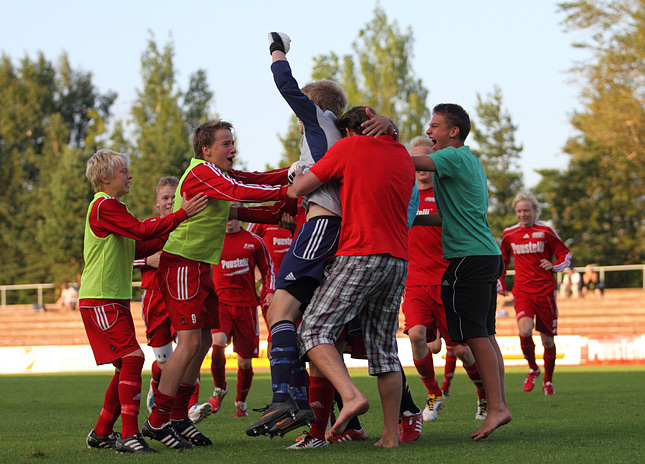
(195,205)
(279,41)
(377,125)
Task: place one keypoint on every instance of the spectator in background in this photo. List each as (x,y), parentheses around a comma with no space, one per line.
(570,286)
(68,298)
(591,283)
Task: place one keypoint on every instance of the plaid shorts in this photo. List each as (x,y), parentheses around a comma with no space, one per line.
(366,286)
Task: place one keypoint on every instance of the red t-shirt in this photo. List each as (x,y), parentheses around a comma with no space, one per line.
(376,178)
(528,246)
(426,254)
(234,276)
(276,239)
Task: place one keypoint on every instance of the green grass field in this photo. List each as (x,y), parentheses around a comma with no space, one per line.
(596,416)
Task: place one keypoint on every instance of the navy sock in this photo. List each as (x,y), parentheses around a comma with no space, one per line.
(298,388)
(283,355)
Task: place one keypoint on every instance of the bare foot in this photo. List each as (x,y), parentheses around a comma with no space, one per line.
(383,443)
(492,422)
(350,409)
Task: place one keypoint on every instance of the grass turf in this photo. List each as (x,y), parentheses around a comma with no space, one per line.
(595,417)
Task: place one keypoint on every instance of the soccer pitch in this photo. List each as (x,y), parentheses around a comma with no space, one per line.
(596,416)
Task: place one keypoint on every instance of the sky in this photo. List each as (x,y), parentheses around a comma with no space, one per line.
(462,48)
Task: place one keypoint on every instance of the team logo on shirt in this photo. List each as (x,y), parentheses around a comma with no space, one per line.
(530,247)
(538,234)
(249,246)
(526,236)
(282,241)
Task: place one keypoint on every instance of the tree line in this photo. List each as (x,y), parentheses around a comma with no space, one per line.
(53,118)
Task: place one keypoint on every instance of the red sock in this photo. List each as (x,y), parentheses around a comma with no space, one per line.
(130,394)
(528,348)
(218,366)
(473,373)
(549,363)
(179,409)
(244,379)
(111,408)
(161,408)
(425,367)
(449,369)
(321,400)
(194,399)
(156,373)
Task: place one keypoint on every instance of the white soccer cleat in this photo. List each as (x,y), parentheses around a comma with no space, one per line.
(434,404)
(199,412)
(482,410)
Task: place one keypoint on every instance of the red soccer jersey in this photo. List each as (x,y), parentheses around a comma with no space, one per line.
(426,254)
(376,178)
(109,216)
(212,181)
(234,276)
(148,273)
(528,246)
(276,239)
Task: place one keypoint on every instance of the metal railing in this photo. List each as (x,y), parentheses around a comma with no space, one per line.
(40,287)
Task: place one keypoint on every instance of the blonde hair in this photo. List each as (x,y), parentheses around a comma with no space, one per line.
(171,181)
(327,95)
(420,141)
(102,164)
(527,196)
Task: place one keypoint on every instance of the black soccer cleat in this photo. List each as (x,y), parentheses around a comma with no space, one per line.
(94,441)
(167,435)
(272,414)
(287,424)
(187,430)
(135,444)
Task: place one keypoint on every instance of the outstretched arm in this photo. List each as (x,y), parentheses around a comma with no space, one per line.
(424,163)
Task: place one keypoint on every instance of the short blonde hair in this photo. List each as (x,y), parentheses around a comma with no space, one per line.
(420,141)
(170,181)
(327,95)
(102,163)
(528,196)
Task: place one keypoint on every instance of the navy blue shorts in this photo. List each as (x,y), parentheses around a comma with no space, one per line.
(316,242)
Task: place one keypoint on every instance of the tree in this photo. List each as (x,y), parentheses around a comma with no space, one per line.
(47,117)
(163,124)
(500,154)
(600,198)
(378,74)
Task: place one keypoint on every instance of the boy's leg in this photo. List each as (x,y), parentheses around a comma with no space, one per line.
(448,370)
(389,387)
(218,371)
(549,363)
(111,408)
(491,369)
(130,393)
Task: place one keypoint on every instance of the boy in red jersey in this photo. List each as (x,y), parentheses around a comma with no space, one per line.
(534,246)
(113,238)
(367,274)
(153,308)
(422,305)
(185,274)
(234,279)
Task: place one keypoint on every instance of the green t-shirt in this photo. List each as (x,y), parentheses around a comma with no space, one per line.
(461,193)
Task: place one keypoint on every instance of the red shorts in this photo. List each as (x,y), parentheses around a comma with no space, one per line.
(422,306)
(158,327)
(188,290)
(241,325)
(541,306)
(109,327)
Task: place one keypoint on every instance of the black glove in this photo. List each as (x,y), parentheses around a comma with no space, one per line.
(279,41)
